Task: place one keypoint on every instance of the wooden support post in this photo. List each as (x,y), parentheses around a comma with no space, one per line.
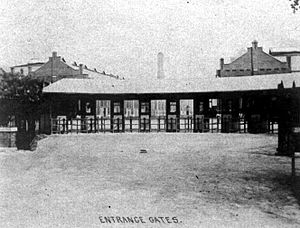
(101,123)
(66,126)
(188,122)
(59,132)
(91,125)
(130,123)
(51,126)
(158,123)
(77,126)
(293,167)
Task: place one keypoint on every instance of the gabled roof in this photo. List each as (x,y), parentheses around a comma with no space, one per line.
(196,85)
(85,70)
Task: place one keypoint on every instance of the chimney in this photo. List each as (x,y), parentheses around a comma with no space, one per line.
(160,65)
(80,69)
(54,56)
(254,44)
(221,63)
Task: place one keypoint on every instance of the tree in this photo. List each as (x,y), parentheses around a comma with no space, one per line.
(295,5)
(19,96)
(24,89)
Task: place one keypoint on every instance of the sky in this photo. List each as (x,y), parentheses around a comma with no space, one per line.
(123,37)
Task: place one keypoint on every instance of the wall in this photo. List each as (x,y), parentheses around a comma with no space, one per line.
(254,62)
(55,67)
(8,137)
(24,68)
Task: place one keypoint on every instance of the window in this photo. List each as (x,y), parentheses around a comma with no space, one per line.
(248,69)
(79,105)
(117,107)
(283,68)
(242,70)
(240,103)
(172,106)
(186,107)
(276,69)
(145,107)
(103,108)
(213,103)
(158,108)
(88,108)
(262,69)
(227,70)
(269,69)
(234,70)
(230,105)
(131,108)
(201,107)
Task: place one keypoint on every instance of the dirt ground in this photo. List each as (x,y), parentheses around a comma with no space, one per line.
(196,180)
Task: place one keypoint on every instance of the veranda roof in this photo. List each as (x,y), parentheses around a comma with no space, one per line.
(96,85)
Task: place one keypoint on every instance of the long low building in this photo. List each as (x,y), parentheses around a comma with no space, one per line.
(98,85)
(254,104)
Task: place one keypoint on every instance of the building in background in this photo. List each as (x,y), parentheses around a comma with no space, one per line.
(254,62)
(28,68)
(292,56)
(55,69)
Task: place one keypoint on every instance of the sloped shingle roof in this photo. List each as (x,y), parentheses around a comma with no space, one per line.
(101,85)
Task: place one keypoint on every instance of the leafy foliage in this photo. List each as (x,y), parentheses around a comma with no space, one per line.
(23,89)
(295,5)
(19,96)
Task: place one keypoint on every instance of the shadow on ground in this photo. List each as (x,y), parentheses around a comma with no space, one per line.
(296,188)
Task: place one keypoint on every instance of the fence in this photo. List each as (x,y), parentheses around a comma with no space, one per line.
(61,125)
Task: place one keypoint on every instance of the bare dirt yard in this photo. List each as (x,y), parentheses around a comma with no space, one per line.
(184,180)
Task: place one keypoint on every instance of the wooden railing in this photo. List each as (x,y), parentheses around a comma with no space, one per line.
(153,124)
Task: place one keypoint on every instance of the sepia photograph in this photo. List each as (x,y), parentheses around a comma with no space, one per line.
(149,113)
